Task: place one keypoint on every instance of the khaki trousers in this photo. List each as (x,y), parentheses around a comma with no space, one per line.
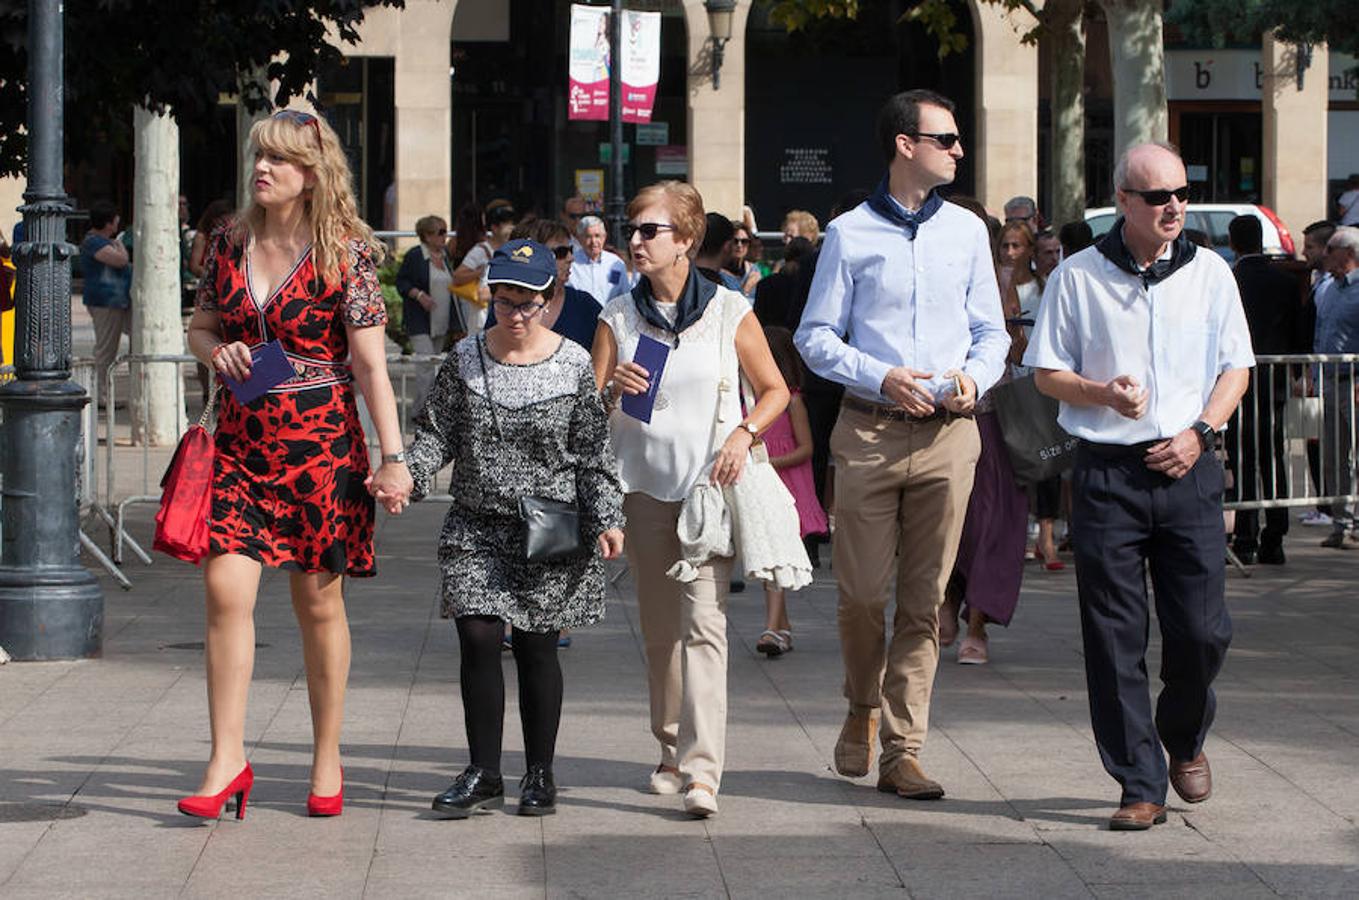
(901,492)
(109,327)
(684,631)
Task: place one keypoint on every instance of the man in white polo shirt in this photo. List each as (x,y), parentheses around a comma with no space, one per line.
(1144,342)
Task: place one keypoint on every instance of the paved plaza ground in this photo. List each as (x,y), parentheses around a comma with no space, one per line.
(94,754)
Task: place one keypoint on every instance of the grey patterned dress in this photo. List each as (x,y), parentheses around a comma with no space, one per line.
(555,444)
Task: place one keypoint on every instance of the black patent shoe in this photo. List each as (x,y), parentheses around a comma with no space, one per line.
(473,791)
(537,792)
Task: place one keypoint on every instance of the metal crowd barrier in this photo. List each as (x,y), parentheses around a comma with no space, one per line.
(127,485)
(1291,442)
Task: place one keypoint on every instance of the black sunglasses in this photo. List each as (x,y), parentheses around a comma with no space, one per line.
(298,117)
(945,139)
(648,230)
(562,252)
(1160,197)
(741,242)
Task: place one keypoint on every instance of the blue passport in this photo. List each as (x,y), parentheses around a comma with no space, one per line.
(651,355)
(269,368)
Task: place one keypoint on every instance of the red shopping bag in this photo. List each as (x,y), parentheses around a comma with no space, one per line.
(186,495)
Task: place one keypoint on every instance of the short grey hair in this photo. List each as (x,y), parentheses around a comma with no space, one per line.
(1026,203)
(1346,236)
(588,222)
(1121,169)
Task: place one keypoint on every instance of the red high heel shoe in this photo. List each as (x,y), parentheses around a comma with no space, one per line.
(326,806)
(210,807)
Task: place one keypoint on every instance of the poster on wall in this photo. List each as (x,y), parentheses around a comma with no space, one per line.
(589,61)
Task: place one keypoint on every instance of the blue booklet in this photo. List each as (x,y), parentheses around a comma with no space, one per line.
(651,355)
(269,368)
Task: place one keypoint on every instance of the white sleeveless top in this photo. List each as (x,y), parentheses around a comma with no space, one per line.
(666,458)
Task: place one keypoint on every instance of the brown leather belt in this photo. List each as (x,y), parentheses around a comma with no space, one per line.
(891,413)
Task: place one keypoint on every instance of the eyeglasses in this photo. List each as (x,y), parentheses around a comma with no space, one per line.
(1160,197)
(945,139)
(508,309)
(648,230)
(575,216)
(298,117)
(442,232)
(562,252)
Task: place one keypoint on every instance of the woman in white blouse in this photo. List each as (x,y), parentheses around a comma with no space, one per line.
(684,625)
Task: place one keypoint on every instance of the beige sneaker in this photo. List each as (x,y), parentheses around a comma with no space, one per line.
(907,779)
(854,749)
(700,801)
(666,780)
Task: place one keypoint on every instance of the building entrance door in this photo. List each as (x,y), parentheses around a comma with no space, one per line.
(1222,152)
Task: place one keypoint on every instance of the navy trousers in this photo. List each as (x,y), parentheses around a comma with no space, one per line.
(1130,522)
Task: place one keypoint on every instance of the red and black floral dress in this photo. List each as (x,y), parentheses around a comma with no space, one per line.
(287,483)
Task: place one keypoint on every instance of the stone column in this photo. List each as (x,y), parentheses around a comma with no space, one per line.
(1295,135)
(717,118)
(1005,147)
(424,111)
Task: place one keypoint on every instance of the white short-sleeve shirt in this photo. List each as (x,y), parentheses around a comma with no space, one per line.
(666,458)
(1175,337)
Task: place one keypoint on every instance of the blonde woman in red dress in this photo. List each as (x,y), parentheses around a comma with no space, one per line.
(291,481)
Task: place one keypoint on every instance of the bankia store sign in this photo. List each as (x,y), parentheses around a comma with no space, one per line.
(1239,75)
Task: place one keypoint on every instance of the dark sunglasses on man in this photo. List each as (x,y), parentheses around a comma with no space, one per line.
(945,139)
(562,252)
(1160,197)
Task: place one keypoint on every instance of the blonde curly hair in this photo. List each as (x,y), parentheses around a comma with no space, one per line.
(306,140)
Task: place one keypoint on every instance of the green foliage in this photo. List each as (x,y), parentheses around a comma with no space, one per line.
(396,327)
(1216,22)
(796,15)
(180,55)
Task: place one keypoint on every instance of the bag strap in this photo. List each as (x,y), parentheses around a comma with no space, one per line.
(486,379)
(211,404)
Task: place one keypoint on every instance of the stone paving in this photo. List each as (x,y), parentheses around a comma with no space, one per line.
(94,754)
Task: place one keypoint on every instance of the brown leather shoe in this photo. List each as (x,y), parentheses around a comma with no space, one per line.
(1192,780)
(1137,817)
(907,779)
(854,749)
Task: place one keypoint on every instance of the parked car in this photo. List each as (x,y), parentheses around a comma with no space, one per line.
(1212,219)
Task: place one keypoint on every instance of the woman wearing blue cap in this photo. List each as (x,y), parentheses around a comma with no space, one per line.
(516,409)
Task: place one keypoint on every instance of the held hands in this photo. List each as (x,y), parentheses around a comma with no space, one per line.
(731,459)
(1175,456)
(232,360)
(631,378)
(964,403)
(611,543)
(391,485)
(902,386)
(1126,397)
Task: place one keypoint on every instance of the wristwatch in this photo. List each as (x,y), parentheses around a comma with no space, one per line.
(1207,435)
(398,457)
(752,429)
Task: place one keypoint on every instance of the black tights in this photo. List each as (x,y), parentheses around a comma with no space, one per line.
(483,690)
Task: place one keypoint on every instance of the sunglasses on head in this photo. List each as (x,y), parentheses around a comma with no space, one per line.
(648,230)
(1160,197)
(945,139)
(298,117)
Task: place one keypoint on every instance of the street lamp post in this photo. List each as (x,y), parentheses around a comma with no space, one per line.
(51,607)
(616,202)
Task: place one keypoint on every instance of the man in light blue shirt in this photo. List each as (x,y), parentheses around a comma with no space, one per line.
(595,270)
(904,310)
(1145,343)
(1337,331)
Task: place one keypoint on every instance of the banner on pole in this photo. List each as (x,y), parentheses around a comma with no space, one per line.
(641,64)
(589,61)
(588,64)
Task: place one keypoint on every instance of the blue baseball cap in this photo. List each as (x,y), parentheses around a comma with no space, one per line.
(524,263)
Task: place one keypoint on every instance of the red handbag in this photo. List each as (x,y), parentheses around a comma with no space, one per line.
(186,493)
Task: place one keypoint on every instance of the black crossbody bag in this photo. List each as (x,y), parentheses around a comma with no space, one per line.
(551,527)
